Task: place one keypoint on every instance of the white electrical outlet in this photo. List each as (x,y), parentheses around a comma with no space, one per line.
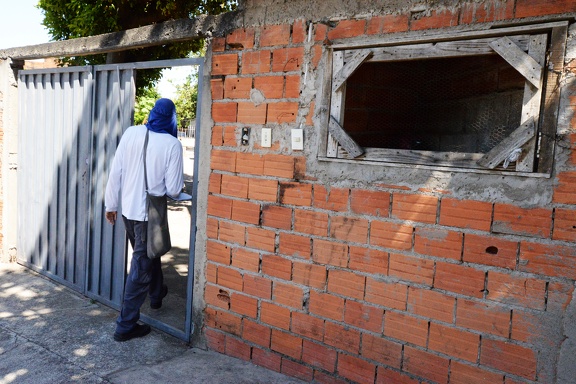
(297,139)
(266,137)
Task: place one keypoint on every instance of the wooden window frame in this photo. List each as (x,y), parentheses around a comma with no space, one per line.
(536,51)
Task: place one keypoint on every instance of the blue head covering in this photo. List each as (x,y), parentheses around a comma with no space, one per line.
(162,118)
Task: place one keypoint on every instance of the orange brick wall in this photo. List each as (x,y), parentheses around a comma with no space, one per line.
(372,285)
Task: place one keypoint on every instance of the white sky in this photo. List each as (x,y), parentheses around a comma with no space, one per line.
(21,24)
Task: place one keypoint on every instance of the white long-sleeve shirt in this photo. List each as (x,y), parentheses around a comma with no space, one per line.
(126,179)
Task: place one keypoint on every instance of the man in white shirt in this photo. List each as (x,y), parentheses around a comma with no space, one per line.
(126,182)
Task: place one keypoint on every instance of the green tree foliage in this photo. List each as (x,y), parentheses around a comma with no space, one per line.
(144,104)
(69,19)
(186,100)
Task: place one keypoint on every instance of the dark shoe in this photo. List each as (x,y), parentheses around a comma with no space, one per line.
(158,305)
(139,330)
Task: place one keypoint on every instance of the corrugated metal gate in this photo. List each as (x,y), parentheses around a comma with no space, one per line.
(70,123)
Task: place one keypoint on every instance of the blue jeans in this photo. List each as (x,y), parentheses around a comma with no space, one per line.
(145,277)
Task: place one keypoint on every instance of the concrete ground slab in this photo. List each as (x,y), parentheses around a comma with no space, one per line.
(51,334)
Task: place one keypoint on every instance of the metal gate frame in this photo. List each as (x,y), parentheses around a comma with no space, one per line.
(91,259)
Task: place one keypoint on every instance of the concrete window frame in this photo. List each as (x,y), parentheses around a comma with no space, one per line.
(535,51)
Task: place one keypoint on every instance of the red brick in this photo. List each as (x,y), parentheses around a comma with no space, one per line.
(532,8)
(294,193)
(406,328)
(310,275)
(468,374)
(368,260)
(299,31)
(244,305)
(391,295)
(486,318)
(252,164)
(215,340)
(519,290)
(490,250)
(436,19)
(229,137)
(559,296)
(432,304)
(250,113)
(271,86)
(237,87)
(310,222)
(326,305)
(261,239)
(294,369)
(387,24)
(241,38)
(288,294)
(266,359)
(217,297)
(364,316)
(275,35)
(219,206)
(486,12)
(292,87)
(342,337)
(381,350)
(460,279)
(245,212)
(356,369)
(318,355)
(276,217)
(235,186)
(275,315)
(258,286)
(218,253)
(346,283)
(246,260)
(331,253)
(277,266)
(230,278)
(564,225)
(223,160)
(217,90)
(307,326)
(387,376)
(256,62)
(286,344)
(347,28)
(333,199)
(391,235)
(508,357)
(410,268)
(211,272)
(414,208)
(282,112)
(232,232)
(262,189)
(454,342)
(526,326)
(287,59)
(438,242)
(564,191)
(228,322)
(218,44)
(373,203)
(349,229)
(294,245)
(465,214)
(279,165)
(536,222)
(426,365)
(211,228)
(225,64)
(217,136)
(224,112)
(256,333)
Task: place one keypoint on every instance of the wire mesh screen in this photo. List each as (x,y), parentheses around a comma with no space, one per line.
(464,104)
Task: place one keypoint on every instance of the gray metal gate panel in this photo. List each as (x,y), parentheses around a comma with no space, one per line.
(113,113)
(53,172)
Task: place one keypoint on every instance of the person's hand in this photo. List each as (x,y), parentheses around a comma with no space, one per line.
(111,217)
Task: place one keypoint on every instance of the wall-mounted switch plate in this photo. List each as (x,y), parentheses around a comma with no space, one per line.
(266,140)
(297,139)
